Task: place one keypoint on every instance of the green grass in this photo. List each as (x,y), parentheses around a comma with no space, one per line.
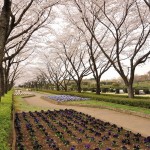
(95,103)
(20,105)
(5,121)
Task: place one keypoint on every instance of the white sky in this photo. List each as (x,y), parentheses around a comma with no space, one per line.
(140,70)
(57,26)
(111,73)
(30,71)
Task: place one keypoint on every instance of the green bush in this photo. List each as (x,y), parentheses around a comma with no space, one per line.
(117,91)
(118,99)
(93,89)
(104,90)
(111,90)
(85,89)
(125,90)
(5,121)
(146,91)
(136,91)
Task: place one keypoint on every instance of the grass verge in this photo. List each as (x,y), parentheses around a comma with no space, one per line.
(94,103)
(5,121)
(20,105)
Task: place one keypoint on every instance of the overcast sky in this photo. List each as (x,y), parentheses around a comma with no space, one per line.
(57,26)
(141,70)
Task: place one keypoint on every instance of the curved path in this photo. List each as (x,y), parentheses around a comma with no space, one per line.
(133,123)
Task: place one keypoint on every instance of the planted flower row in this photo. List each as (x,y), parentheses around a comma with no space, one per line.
(64,98)
(71,130)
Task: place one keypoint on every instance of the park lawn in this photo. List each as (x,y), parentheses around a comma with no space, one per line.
(102,95)
(20,105)
(95,103)
(113,101)
(138,101)
(5,121)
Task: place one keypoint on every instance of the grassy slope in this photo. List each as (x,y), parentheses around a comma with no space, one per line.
(5,121)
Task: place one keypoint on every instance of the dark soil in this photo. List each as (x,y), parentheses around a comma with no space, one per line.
(72,130)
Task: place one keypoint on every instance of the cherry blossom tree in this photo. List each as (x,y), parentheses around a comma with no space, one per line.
(72,50)
(125,43)
(18,21)
(54,71)
(99,64)
(147,3)
(13,68)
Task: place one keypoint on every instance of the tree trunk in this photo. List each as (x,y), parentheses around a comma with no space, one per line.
(2,90)
(4,24)
(6,86)
(0,83)
(57,87)
(3,82)
(130,91)
(2,46)
(79,86)
(66,88)
(98,87)
(11,85)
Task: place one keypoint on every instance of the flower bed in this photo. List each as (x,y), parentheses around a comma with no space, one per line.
(64,98)
(71,130)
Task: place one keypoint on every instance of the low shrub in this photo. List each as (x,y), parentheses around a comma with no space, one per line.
(104,90)
(93,90)
(117,91)
(111,90)
(146,91)
(137,91)
(85,89)
(125,90)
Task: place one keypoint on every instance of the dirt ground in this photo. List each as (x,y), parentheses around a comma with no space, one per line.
(130,122)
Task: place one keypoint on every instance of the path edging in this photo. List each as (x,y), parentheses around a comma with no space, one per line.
(13,127)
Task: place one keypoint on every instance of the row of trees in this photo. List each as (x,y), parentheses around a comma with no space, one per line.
(110,85)
(99,35)
(19,20)
(123,37)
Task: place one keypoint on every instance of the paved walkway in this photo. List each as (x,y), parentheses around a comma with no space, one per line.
(133,123)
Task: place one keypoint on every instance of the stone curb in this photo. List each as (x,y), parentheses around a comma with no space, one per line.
(26,96)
